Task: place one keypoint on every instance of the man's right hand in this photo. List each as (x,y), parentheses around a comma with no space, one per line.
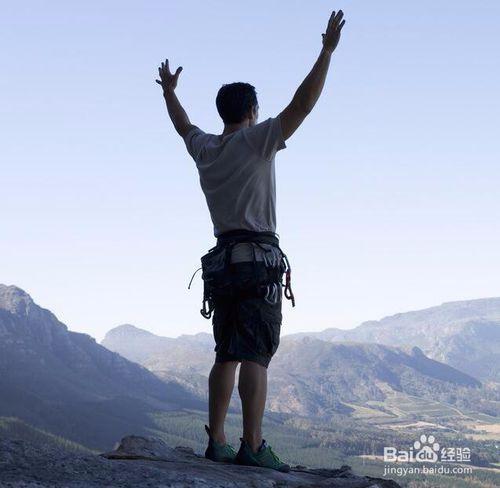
(332,36)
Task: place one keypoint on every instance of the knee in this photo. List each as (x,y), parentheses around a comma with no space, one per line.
(223,370)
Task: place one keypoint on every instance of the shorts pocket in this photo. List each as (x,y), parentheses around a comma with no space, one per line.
(222,324)
(271,326)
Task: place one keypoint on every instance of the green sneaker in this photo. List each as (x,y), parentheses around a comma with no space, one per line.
(264,457)
(220,453)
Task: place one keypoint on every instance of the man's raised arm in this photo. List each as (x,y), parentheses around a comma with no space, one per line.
(310,89)
(178,115)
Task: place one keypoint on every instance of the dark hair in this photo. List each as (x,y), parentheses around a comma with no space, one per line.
(234,101)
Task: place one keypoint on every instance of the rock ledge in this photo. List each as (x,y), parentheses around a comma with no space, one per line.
(148,461)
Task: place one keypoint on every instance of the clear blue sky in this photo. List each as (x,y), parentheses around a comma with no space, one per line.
(388,196)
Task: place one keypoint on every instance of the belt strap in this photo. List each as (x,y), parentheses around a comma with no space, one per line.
(242,235)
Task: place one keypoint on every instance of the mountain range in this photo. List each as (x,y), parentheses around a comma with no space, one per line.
(68,384)
(309,376)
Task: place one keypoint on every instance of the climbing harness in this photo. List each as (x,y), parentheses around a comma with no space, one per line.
(217,272)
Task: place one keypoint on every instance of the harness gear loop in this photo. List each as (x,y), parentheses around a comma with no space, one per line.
(288,288)
(192,277)
(288,280)
(207,308)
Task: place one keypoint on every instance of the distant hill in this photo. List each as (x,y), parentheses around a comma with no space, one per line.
(311,376)
(308,376)
(464,334)
(66,383)
(185,360)
(186,352)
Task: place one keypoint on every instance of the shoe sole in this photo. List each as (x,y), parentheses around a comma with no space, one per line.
(225,461)
(256,465)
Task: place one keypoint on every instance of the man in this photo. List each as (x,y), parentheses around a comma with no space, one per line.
(237,176)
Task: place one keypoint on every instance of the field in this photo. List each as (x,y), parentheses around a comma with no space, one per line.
(405,412)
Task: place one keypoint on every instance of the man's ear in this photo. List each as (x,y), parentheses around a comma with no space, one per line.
(254,113)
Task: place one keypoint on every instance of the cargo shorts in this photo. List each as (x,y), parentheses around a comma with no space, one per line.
(246,326)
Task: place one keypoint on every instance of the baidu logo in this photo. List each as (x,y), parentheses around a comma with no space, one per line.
(426,450)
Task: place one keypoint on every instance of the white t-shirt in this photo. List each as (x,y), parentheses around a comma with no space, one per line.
(237,175)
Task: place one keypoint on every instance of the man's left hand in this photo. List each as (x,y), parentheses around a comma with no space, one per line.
(168,81)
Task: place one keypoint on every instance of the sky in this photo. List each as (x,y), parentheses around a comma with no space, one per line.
(388,195)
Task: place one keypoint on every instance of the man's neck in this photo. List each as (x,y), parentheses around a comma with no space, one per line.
(230,128)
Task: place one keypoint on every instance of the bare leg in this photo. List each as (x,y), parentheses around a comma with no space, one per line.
(252,387)
(220,388)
